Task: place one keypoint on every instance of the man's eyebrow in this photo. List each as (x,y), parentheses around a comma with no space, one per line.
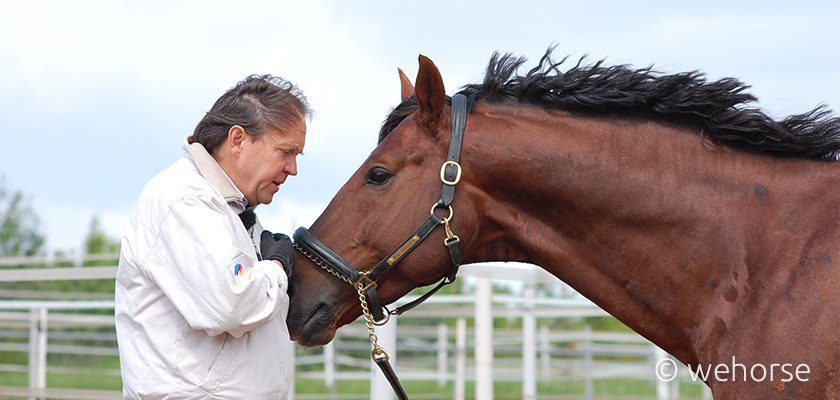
(293,147)
(286,145)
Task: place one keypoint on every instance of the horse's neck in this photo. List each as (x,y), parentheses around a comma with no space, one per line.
(649,223)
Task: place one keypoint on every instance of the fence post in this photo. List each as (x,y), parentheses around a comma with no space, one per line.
(483,338)
(707,393)
(33,348)
(662,388)
(42,347)
(442,344)
(460,358)
(293,356)
(545,355)
(674,388)
(380,389)
(329,364)
(529,348)
(38,348)
(588,391)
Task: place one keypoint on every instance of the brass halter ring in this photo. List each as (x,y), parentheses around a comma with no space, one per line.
(445,220)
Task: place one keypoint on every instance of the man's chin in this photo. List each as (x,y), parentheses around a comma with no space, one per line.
(267,198)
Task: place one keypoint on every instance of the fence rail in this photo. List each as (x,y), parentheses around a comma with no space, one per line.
(440,353)
(51,259)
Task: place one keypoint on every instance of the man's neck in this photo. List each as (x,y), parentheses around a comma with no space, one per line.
(215,174)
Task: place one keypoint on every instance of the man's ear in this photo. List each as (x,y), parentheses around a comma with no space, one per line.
(235,138)
(430,94)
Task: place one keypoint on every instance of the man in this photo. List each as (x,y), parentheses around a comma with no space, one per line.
(201,297)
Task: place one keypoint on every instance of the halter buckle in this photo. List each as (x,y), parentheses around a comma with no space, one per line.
(457,173)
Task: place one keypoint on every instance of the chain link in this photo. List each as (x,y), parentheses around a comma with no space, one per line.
(321,264)
(360,288)
(374,340)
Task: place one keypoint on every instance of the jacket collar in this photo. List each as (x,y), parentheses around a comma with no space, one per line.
(213,172)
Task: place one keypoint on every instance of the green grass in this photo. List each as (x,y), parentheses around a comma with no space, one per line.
(417,389)
(89,376)
(92,376)
(502,390)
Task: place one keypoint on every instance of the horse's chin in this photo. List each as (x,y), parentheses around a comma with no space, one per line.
(314,338)
(315,329)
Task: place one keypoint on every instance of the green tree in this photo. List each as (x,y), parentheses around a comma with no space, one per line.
(19,234)
(97,241)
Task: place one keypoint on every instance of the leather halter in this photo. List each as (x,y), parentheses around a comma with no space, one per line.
(365,281)
(450,175)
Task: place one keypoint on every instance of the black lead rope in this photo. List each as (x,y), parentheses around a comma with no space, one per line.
(391,375)
(365,281)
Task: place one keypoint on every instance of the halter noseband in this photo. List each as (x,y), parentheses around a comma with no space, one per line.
(365,280)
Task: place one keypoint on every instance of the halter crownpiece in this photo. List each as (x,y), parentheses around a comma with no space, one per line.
(365,281)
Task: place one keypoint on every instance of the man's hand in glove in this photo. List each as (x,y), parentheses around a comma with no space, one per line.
(278,247)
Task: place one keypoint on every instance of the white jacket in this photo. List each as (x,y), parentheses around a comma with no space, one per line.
(197,316)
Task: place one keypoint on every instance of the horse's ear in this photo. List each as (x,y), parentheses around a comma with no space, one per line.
(406,88)
(430,94)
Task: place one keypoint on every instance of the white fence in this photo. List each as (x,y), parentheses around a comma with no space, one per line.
(440,353)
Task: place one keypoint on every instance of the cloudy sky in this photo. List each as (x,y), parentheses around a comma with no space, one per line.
(97,96)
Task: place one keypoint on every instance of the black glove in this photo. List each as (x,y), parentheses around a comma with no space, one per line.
(278,247)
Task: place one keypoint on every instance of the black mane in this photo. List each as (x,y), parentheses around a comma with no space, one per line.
(717,108)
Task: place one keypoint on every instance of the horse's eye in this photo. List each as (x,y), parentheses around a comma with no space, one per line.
(378,176)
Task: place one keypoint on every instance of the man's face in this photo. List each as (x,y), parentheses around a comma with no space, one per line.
(265,163)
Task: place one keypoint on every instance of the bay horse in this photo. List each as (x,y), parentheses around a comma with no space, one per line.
(704,225)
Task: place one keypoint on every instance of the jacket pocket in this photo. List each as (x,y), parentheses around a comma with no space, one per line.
(223,363)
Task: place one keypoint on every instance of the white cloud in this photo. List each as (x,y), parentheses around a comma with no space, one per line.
(173,58)
(66,226)
(57,58)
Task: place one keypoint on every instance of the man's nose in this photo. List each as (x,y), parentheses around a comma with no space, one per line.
(291,167)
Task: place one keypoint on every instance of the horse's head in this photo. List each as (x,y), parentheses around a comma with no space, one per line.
(381,206)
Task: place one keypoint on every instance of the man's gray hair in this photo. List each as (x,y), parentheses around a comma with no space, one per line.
(255,103)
